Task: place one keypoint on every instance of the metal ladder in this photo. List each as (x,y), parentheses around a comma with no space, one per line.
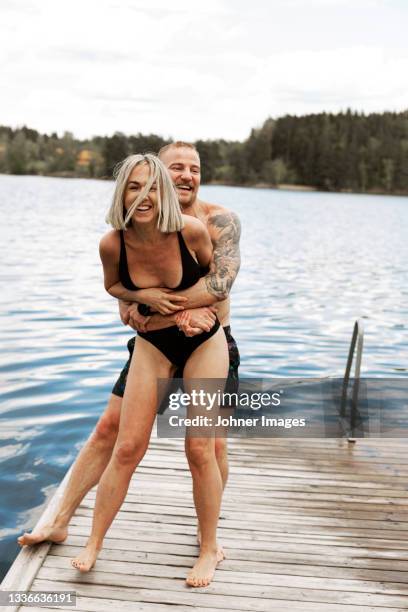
(356,340)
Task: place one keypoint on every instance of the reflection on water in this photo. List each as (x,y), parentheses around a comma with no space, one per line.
(312,264)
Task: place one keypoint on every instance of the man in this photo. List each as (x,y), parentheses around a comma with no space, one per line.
(183,163)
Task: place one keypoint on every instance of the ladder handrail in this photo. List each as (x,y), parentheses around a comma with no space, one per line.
(357,338)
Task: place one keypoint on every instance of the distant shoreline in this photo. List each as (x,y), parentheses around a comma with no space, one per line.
(344,152)
(279,187)
(305,188)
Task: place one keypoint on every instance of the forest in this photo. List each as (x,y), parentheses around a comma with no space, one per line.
(346,151)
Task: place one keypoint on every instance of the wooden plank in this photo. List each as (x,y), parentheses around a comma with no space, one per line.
(304,469)
(321,531)
(218,588)
(232,511)
(285,457)
(255,485)
(252,486)
(291,564)
(97,604)
(200,599)
(344,480)
(280,553)
(225,574)
(260,540)
(271,500)
(302,526)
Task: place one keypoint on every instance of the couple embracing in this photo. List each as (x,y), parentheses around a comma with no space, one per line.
(170,260)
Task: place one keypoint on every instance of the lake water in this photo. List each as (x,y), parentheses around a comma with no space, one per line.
(311,264)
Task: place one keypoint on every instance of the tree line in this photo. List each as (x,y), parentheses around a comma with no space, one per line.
(347,151)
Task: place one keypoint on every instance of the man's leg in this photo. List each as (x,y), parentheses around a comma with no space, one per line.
(231,386)
(89,465)
(86,472)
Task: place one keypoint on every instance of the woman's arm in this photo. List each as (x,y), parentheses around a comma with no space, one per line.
(109,252)
(159,299)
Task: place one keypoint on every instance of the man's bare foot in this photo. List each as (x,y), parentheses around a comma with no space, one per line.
(203,571)
(48,533)
(86,559)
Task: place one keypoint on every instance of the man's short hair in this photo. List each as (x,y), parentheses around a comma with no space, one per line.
(178,144)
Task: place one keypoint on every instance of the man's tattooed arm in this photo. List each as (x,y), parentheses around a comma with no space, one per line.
(215,286)
(226,257)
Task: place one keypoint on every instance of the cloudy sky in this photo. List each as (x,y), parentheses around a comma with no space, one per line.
(194,70)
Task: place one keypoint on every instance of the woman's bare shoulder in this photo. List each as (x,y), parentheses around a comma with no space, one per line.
(110,243)
(193,229)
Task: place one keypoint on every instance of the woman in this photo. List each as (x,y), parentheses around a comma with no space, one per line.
(154,245)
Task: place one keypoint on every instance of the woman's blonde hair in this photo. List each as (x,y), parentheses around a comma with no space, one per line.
(169,219)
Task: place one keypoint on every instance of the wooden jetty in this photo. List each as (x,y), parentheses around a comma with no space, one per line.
(307,525)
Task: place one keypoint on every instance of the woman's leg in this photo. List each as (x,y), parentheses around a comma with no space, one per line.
(209,361)
(136,421)
(221,455)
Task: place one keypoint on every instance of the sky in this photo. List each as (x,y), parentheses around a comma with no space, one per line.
(189,70)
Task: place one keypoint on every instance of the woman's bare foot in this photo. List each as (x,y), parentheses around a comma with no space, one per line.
(48,533)
(203,571)
(220,550)
(86,559)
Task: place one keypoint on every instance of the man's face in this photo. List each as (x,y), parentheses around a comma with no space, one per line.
(184,167)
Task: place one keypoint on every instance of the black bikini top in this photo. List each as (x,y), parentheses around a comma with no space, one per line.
(192,271)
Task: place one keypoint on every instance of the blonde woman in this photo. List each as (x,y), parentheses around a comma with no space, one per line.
(154,245)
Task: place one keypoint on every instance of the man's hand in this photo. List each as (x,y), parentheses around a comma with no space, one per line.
(137,321)
(195,321)
(161,300)
(130,315)
(124,311)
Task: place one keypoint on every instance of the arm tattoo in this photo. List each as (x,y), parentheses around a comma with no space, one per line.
(226,258)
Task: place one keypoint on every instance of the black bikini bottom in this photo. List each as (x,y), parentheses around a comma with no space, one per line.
(232,380)
(175,345)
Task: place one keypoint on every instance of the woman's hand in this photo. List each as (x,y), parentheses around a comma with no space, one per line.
(161,300)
